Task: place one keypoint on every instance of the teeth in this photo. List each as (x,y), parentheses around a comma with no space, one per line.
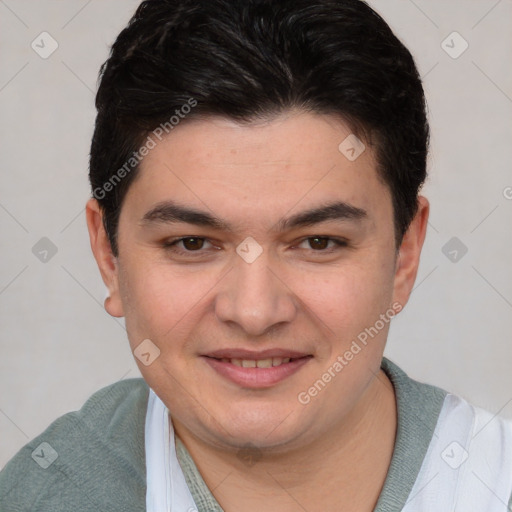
(260,363)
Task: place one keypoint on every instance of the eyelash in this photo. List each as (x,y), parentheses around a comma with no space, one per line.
(171,245)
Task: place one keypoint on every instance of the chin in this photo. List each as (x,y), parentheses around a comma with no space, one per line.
(264,427)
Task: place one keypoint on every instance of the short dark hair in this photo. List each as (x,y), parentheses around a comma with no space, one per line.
(253,59)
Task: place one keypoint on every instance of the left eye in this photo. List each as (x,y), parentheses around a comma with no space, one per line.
(192,243)
(321,243)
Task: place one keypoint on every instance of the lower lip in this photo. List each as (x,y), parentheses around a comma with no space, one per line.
(256,377)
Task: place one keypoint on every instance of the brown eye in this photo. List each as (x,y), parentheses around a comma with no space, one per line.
(322,244)
(318,243)
(189,247)
(192,243)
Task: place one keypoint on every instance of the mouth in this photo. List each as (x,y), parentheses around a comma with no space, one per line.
(256,370)
(268,362)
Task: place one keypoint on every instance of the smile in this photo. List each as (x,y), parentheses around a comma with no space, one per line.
(256,373)
(257,363)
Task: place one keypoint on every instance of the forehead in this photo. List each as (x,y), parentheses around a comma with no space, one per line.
(293,158)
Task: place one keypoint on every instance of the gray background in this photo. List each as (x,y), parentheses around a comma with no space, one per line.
(57,343)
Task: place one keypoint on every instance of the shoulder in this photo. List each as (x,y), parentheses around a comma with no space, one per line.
(454,451)
(91,459)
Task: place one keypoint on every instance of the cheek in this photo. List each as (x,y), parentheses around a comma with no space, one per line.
(159,303)
(348,297)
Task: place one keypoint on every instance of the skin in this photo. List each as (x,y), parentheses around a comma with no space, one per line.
(295,295)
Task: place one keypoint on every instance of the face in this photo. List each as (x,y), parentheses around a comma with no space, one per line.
(248,245)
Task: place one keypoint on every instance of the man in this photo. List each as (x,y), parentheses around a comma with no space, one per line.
(255,171)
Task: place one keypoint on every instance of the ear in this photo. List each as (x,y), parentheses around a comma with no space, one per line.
(408,259)
(107,262)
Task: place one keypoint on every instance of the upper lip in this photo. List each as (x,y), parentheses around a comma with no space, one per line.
(238,353)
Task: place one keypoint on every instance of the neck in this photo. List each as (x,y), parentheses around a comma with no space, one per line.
(344,469)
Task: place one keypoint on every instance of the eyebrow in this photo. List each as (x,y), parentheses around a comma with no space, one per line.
(170,212)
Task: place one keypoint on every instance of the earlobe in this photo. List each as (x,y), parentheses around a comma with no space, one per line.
(408,257)
(105,259)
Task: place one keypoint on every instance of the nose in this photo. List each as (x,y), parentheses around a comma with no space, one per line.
(254,297)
